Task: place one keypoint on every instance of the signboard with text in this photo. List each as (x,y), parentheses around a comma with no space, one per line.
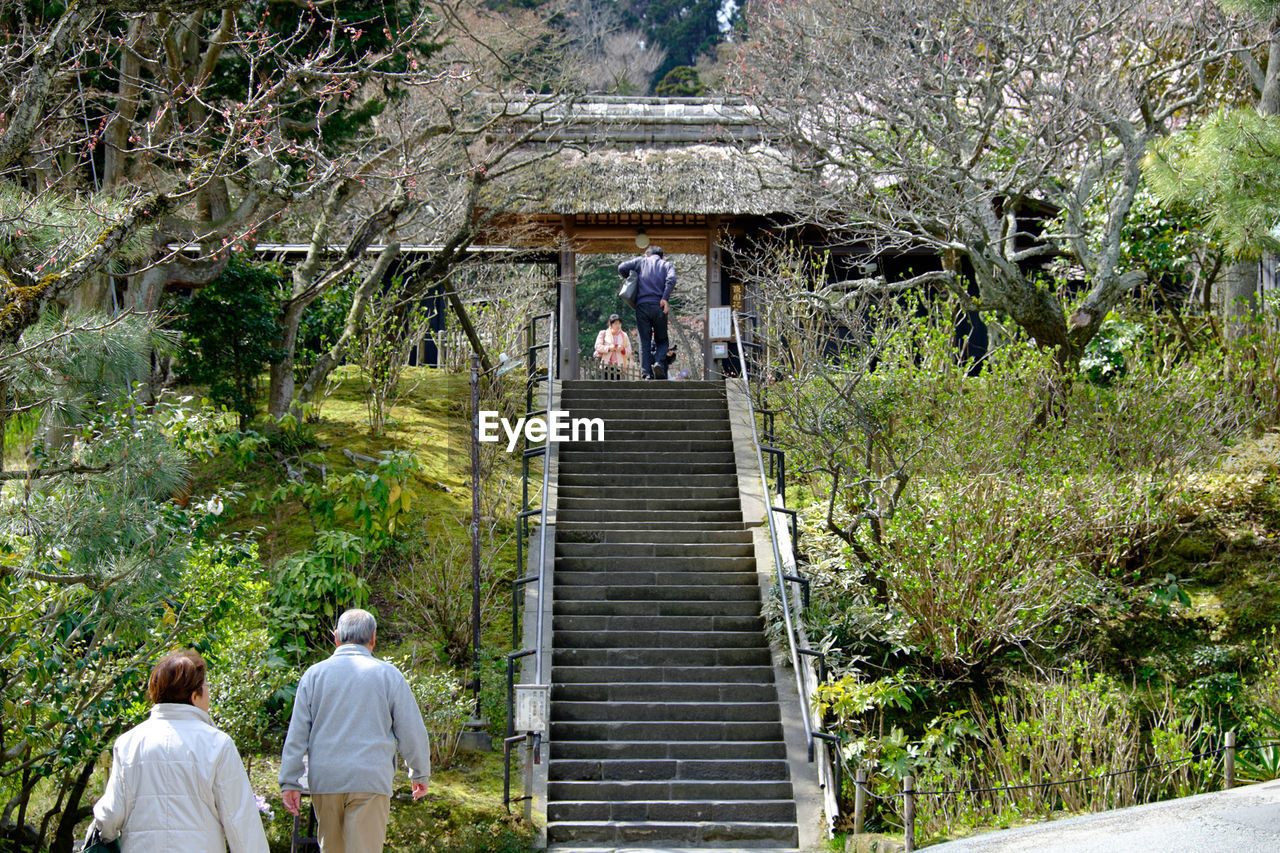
(720,323)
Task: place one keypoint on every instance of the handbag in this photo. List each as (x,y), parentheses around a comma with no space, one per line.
(94,843)
(629,287)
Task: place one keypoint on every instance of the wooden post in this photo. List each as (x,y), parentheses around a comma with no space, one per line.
(568,319)
(1229,760)
(859,799)
(909,812)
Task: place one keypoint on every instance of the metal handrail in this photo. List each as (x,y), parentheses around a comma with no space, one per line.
(542,522)
(522,580)
(784,580)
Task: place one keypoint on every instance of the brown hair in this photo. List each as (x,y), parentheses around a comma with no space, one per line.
(176,677)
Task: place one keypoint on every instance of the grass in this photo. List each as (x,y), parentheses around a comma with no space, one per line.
(430,421)
(461,813)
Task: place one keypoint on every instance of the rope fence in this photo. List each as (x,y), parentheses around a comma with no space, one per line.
(909,795)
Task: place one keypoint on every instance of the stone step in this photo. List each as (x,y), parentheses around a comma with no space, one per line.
(660,518)
(626,387)
(602,607)
(672,501)
(667,712)
(664,447)
(571,673)
(687,810)
(642,537)
(656,551)
(659,640)
(687,624)
(621,566)
(668,790)
(657,834)
(713,490)
(646,407)
(682,420)
(758,656)
(665,730)
(680,750)
(659,435)
(669,525)
(654,769)
(641,404)
(606,478)
(660,392)
(663,692)
(642,464)
(666,571)
(705,592)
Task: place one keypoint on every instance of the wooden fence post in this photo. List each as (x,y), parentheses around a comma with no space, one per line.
(859,799)
(909,812)
(1229,760)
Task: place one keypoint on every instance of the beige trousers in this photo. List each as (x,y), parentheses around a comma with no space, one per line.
(351,823)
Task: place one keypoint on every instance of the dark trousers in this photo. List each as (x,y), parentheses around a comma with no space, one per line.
(652,325)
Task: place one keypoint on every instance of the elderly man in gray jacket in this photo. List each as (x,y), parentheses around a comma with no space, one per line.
(351,714)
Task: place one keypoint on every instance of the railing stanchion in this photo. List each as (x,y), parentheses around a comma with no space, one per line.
(859,799)
(1229,760)
(909,812)
(529,738)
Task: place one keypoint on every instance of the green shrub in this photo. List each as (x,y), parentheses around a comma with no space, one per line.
(232,334)
(445,708)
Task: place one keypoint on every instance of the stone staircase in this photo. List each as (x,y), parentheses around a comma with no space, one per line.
(665,725)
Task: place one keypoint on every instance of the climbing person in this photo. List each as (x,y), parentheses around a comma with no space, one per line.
(657,281)
(351,714)
(613,348)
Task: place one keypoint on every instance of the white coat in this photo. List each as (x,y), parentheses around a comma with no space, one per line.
(177,784)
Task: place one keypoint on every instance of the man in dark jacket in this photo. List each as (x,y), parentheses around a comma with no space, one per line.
(657,280)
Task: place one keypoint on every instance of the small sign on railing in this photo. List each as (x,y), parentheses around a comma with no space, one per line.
(533,707)
(720,323)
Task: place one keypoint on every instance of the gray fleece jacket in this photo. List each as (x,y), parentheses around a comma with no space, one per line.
(351,714)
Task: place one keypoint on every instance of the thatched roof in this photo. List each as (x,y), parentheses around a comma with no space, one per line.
(700,179)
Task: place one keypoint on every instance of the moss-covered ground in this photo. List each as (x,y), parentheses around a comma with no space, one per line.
(463,811)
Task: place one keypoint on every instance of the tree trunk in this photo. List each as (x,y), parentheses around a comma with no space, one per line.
(1239,295)
(65,835)
(1269,98)
(355,316)
(280,395)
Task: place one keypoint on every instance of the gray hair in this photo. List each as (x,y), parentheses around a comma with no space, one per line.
(356,626)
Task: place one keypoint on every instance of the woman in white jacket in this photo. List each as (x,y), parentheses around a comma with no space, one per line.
(177,783)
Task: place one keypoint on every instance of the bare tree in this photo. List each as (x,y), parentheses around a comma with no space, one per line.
(444,151)
(188,125)
(985,133)
(609,58)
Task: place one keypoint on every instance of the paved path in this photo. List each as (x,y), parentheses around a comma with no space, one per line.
(1243,820)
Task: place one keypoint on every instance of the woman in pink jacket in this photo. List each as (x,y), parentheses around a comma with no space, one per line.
(613,348)
(177,783)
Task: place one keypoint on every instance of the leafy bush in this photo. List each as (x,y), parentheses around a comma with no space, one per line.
(1069,741)
(432,586)
(232,334)
(1104,357)
(313,586)
(982,511)
(445,708)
